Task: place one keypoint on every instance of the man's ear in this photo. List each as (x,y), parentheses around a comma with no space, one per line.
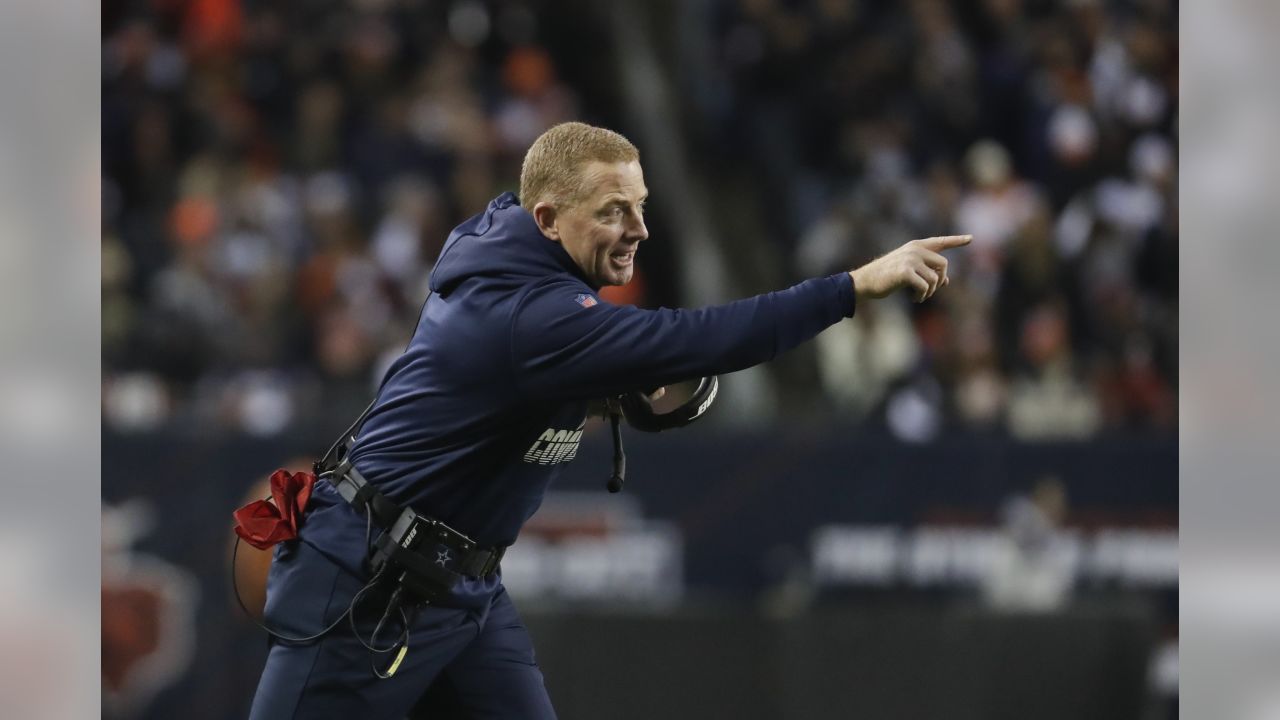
(544,214)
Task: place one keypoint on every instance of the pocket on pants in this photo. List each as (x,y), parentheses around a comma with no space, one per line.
(306,591)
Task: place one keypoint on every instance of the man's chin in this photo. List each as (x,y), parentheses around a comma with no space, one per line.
(618,279)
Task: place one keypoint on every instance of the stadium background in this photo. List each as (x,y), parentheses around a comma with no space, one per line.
(964,508)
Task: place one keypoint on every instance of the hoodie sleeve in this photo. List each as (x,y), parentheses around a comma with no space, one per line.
(566,344)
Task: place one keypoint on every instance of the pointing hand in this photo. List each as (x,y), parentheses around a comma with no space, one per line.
(918,265)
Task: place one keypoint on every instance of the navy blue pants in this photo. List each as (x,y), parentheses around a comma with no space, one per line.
(460,663)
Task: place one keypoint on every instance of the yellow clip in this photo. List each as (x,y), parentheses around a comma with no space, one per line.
(404,650)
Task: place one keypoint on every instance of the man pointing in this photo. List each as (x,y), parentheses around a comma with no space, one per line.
(512,344)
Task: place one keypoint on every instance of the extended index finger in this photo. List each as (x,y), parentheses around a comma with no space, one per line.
(946,242)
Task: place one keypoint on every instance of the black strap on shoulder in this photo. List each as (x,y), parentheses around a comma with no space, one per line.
(338,450)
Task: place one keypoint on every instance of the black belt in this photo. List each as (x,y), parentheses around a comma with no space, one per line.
(431,545)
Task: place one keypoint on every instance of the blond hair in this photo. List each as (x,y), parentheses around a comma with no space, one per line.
(552,169)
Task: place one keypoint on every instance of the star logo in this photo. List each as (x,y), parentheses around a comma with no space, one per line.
(442,557)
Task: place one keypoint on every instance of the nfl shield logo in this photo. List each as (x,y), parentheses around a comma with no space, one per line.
(585,300)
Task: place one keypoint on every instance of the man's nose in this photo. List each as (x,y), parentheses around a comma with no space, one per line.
(636,230)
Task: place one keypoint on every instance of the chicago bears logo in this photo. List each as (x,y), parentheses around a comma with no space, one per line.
(148,613)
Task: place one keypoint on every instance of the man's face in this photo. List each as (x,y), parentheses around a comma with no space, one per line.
(602,231)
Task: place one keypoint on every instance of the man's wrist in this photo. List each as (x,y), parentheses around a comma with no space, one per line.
(858,295)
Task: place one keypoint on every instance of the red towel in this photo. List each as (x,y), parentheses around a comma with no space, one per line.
(263,524)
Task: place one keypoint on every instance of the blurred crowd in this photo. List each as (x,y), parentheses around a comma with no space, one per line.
(278,178)
(1045,128)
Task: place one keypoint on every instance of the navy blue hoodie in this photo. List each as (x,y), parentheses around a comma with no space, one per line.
(476,418)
